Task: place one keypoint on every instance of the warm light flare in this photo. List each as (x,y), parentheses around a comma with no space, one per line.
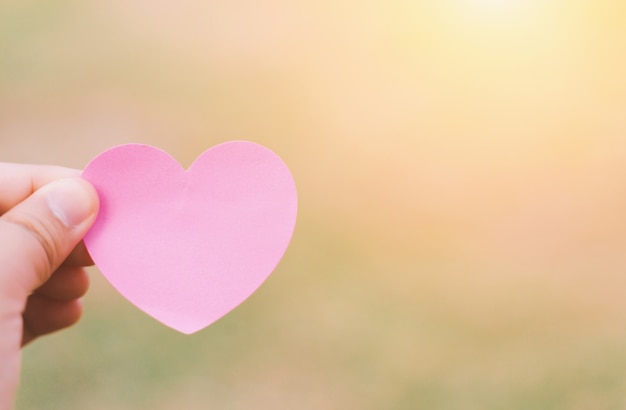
(495,8)
(496,3)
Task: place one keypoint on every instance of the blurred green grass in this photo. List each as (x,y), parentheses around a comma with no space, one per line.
(461,227)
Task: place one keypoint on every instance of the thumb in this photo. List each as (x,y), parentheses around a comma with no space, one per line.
(37,235)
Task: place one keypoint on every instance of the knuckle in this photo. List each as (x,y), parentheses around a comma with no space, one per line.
(41,237)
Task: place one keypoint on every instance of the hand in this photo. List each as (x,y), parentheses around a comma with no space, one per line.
(44,213)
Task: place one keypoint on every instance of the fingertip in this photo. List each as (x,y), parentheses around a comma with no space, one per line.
(44,315)
(79,257)
(65,284)
(74,201)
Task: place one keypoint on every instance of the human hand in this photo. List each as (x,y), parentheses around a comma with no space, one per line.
(44,213)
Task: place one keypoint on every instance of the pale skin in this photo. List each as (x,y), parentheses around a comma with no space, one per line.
(44,214)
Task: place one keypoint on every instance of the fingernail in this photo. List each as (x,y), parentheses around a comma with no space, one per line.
(71,201)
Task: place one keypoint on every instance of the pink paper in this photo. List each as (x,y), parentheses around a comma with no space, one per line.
(186,247)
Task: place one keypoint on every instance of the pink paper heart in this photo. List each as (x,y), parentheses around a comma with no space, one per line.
(187,247)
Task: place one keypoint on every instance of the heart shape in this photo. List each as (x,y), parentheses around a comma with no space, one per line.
(187,247)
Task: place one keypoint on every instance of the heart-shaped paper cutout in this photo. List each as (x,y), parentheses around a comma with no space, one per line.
(187,247)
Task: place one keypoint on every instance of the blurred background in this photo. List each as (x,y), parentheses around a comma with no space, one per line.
(461,241)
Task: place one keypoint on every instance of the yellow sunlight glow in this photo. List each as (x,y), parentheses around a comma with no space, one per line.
(494,7)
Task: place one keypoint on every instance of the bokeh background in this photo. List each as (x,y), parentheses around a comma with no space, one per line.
(461,242)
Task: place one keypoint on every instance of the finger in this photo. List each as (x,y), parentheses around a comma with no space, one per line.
(43,315)
(19,181)
(65,284)
(37,235)
(79,257)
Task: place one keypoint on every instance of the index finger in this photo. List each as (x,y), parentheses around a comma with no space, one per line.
(19,181)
